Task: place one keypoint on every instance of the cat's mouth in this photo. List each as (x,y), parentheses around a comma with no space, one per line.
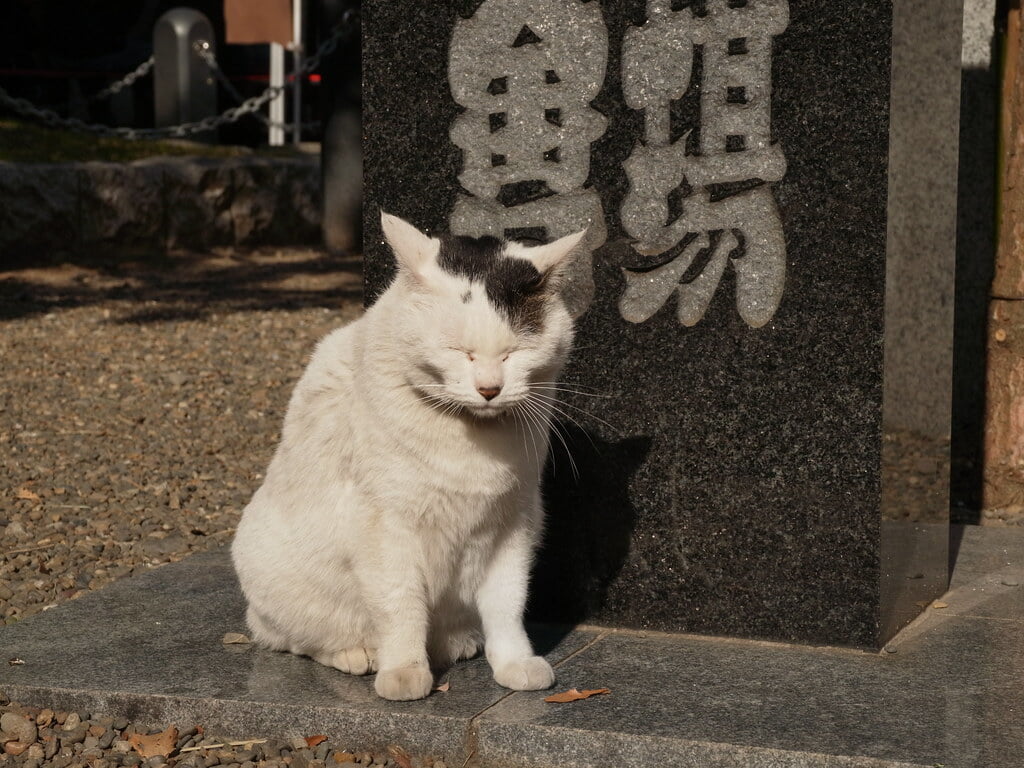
(487,410)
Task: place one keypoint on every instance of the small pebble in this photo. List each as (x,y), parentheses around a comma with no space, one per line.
(18,726)
(15,748)
(74,736)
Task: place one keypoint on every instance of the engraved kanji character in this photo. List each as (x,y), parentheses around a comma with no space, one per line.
(727,205)
(526,130)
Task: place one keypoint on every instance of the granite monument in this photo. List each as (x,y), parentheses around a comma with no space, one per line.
(740,454)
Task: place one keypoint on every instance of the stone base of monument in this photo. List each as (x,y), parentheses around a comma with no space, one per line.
(945,692)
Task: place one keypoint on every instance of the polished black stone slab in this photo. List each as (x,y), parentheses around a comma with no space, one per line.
(736,475)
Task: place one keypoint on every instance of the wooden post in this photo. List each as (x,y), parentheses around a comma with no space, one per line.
(1004,428)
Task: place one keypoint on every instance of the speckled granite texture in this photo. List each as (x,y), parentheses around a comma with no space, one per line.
(729,482)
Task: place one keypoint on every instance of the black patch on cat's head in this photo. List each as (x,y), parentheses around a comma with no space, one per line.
(514,287)
(470,257)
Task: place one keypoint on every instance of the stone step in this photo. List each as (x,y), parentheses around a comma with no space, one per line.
(946,692)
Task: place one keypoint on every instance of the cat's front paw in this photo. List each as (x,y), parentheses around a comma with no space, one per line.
(530,674)
(404,683)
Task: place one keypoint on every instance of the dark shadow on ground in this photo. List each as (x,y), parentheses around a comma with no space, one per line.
(187,285)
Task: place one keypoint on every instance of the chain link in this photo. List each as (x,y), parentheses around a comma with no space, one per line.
(252,105)
(125,82)
(202,50)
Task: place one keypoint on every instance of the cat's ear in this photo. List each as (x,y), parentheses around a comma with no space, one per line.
(415,251)
(552,259)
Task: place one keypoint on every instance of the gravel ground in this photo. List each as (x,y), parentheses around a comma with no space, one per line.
(141,405)
(141,402)
(33,737)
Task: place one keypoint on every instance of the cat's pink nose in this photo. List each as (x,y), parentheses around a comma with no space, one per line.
(489,393)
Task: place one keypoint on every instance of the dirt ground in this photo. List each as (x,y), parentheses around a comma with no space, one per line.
(141,401)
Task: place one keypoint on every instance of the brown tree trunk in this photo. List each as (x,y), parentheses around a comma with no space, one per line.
(1004,429)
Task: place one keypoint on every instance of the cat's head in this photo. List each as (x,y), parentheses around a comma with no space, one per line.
(483,320)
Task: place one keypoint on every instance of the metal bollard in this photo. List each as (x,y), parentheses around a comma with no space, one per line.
(184,89)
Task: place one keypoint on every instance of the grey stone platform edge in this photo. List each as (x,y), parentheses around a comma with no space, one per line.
(159,202)
(947,693)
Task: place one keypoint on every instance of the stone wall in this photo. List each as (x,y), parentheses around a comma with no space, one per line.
(158,203)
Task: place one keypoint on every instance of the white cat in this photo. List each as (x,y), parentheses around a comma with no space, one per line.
(398,519)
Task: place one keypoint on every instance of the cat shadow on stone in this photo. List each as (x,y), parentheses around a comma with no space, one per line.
(589,524)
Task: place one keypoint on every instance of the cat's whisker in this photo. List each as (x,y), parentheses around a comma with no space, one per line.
(539,409)
(520,424)
(531,422)
(542,416)
(573,384)
(553,401)
(444,405)
(554,406)
(569,391)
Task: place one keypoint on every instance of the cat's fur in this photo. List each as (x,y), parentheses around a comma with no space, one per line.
(398,519)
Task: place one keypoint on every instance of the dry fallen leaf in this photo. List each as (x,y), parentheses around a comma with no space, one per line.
(157,744)
(940,604)
(25,493)
(344,757)
(574,695)
(400,756)
(443,687)
(313,741)
(234,638)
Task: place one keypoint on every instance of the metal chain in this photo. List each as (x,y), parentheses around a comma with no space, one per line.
(202,50)
(252,105)
(125,82)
